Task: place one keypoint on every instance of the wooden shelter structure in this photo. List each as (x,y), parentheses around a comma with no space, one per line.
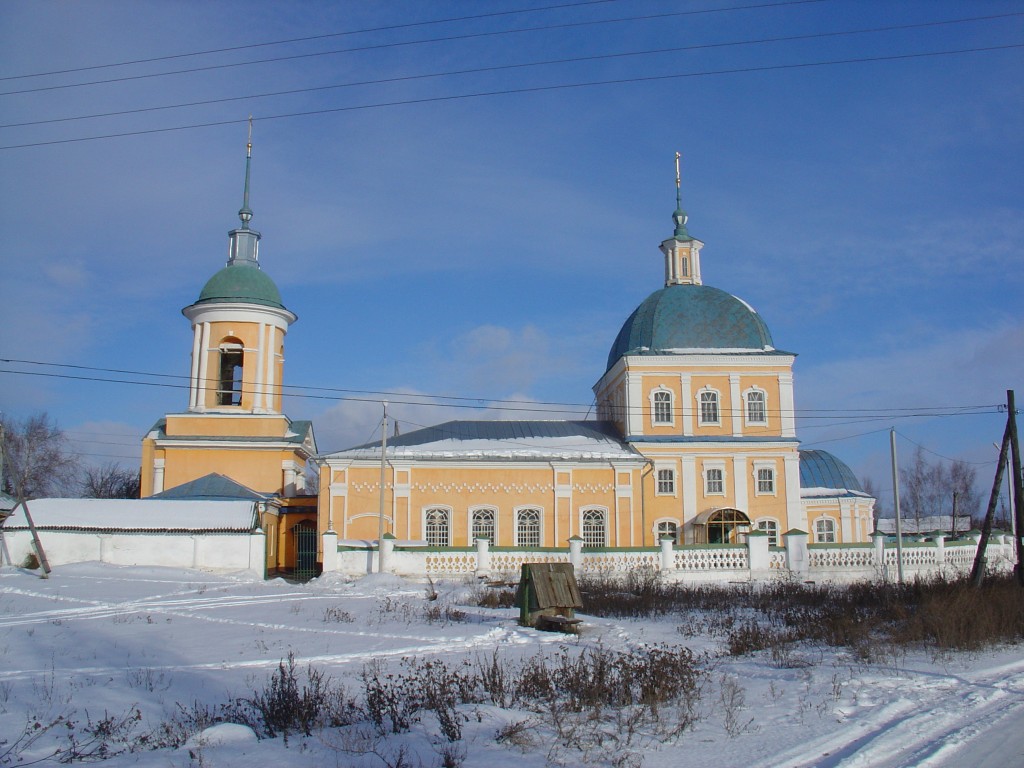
(548,596)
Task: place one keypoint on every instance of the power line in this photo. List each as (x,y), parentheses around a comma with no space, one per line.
(381,46)
(503,67)
(513,91)
(309,38)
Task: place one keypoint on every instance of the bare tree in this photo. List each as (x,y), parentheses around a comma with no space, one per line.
(930,489)
(872,490)
(37,460)
(111,481)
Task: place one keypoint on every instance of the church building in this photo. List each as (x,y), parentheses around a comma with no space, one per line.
(695,437)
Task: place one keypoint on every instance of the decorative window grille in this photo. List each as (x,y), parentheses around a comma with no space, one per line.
(765,480)
(756,411)
(666,481)
(594,528)
(709,407)
(662,408)
(668,528)
(483,525)
(528,528)
(714,481)
(772,529)
(438,529)
(825,530)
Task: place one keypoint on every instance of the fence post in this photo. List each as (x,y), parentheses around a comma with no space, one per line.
(757,554)
(483,558)
(940,548)
(576,552)
(796,551)
(387,546)
(878,539)
(668,555)
(330,544)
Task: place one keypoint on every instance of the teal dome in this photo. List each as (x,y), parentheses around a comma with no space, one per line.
(241,282)
(821,469)
(691,317)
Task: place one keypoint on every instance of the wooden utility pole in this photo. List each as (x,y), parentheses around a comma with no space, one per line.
(896,505)
(383,465)
(35,537)
(1018,491)
(978,571)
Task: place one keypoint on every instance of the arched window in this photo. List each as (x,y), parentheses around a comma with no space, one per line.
(229,385)
(771,527)
(593,528)
(825,530)
(528,528)
(437,528)
(662,403)
(667,528)
(482,525)
(757,412)
(708,399)
(666,482)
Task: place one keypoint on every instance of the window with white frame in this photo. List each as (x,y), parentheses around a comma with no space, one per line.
(668,528)
(825,530)
(666,482)
(661,403)
(714,481)
(757,410)
(437,527)
(771,527)
(708,400)
(765,478)
(482,524)
(593,528)
(528,528)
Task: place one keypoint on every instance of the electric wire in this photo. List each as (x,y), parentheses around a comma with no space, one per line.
(502,67)
(515,91)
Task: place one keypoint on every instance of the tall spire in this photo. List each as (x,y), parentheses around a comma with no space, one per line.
(679,215)
(243,245)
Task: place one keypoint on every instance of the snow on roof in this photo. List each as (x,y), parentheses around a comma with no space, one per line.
(503,440)
(831,492)
(137,515)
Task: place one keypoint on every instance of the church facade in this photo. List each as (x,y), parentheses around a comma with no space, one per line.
(695,437)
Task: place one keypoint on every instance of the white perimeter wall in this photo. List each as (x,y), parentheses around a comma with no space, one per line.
(206,551)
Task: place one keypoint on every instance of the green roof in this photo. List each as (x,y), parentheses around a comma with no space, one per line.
(241,282)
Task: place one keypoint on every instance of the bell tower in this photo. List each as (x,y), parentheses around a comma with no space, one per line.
(234,424)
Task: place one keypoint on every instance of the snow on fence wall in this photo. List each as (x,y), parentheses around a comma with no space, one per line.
(703,563)
(235,551)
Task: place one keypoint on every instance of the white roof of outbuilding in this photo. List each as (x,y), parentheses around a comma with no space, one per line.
(137,515)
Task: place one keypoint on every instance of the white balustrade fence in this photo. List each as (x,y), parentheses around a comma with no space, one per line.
(753,560)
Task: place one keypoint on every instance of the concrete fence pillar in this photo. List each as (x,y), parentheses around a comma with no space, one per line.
(668,554)
(387,546)
(330,545)
(757,554)
(878,539)
(576,552)
(258,552)
(796,551)
(940,548)
(483,557)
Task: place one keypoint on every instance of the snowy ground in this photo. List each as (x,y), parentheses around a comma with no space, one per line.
(97,640)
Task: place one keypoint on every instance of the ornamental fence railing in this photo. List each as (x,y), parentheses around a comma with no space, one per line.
(754,560)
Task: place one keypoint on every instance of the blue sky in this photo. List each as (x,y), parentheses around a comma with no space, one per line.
(491,247)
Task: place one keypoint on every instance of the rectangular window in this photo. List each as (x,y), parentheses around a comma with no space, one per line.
(709,407)
(765,480)
(667,481)
(714,481)
(756,411)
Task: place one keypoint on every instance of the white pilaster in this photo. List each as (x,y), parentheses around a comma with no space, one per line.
(787,405)
(193,389)
(689,480)
(736,404)
(634,404)
(259,398)
(158,475)
(740,482)
(794,509)
(686,402)
(204,360)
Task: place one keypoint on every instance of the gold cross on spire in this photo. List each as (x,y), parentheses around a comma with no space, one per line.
(677,169)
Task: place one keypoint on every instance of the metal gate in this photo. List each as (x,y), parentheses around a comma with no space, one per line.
(304,536)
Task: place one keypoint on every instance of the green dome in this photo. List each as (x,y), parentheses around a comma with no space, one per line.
(683,318)
(241,282)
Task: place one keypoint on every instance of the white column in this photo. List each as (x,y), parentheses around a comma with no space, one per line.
(787,405)
(794,509)
(272,369)
(259,397)
(204,360)
(158,475)
(737,406)
(193,393)
(483,557)
(686,403)
(634,404)
(740,482)
(668,557)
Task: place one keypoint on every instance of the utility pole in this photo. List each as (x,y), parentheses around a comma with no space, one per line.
(978,571)
(1018,490)
(383,465)
(896,505)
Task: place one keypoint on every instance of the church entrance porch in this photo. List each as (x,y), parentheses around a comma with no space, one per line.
(721,526)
